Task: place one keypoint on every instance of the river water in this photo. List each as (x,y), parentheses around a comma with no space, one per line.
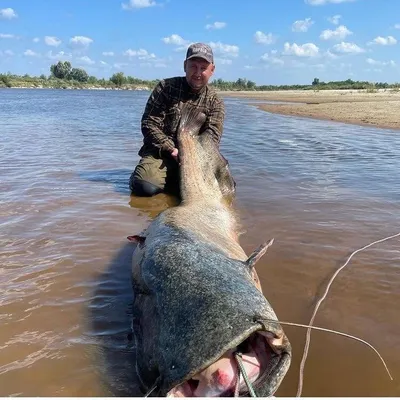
(320,189)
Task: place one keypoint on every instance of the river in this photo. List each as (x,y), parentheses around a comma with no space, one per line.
(320,189)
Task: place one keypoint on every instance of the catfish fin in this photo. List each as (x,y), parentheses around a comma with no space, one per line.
(191,120)
(258,253)
(136,239)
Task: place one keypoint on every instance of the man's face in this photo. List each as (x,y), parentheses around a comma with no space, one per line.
(198,72)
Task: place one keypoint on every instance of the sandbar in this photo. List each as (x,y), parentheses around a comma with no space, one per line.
(380,109)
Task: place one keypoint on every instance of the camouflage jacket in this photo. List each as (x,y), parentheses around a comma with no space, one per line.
(161,116)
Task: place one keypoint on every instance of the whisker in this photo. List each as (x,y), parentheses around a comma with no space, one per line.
(331,331)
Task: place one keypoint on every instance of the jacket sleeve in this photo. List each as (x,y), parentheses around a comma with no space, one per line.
(152,123)
(214,123)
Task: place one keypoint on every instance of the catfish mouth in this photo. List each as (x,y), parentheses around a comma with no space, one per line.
(260,356)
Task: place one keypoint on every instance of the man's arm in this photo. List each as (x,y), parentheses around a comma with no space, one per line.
(153,120)
(215,121)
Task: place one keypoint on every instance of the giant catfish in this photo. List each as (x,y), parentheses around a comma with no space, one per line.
(201,323)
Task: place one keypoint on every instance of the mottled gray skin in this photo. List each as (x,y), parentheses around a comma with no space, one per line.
(195,296)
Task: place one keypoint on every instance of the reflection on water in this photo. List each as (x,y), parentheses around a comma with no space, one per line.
(320,189)
(152,207)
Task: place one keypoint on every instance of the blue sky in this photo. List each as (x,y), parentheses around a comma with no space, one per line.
(267,41)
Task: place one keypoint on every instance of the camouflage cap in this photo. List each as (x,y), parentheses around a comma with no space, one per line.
(200,50)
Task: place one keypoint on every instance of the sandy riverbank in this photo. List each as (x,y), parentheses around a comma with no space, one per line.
(380,109)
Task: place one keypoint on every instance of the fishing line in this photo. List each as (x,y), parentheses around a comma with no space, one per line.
(307,345)
(318,328)
(242,369)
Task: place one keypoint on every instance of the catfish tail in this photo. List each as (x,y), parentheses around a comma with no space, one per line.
(197,178)
(191,121)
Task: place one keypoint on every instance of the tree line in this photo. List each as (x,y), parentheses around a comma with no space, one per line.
(63,75)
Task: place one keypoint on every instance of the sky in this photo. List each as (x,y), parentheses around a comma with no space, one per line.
(273,42)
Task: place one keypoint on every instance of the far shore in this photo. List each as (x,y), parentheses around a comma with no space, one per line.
(374,108)
(380,109)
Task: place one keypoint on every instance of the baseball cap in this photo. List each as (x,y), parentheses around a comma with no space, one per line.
(200,50)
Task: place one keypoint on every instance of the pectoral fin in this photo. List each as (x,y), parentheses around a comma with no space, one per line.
(136,239)
(258,253)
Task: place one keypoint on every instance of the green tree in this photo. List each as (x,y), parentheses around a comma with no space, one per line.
(119,78)
(92,79)
(5,79)
(241,83)
(251,85)
(315,82)
(79,74)
(61,70)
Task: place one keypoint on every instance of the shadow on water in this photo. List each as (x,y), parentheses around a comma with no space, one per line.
(110,324)
(109,311)
(119,178)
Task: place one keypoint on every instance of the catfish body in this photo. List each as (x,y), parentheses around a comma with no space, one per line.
(197,299)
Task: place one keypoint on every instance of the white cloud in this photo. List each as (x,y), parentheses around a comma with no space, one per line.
(334,19)
(36,40)
(153,65)
(262,38)
(145,65)
(216,25)
(175,40)
(120,65)
(80,41)
(86,60)
(138,4)
(323,2)
(8,13)
(384,41)
(180,49)
(6,53)
(223,61)
(7,36)
(302,25)
(373,70)
(276,60)
(108,53)
(340,33)
(61,55)
(381,63)
(331,55)
(225,50)
(52,41)
(30,53)
(345,47)
(304,50)
(372,62)
(272,60)
(142,54)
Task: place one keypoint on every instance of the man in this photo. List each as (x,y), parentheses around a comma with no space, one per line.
(158,168)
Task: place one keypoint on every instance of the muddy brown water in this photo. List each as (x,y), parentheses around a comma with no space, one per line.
(322,190)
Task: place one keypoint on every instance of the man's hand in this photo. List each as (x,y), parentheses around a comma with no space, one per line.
(174,154)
